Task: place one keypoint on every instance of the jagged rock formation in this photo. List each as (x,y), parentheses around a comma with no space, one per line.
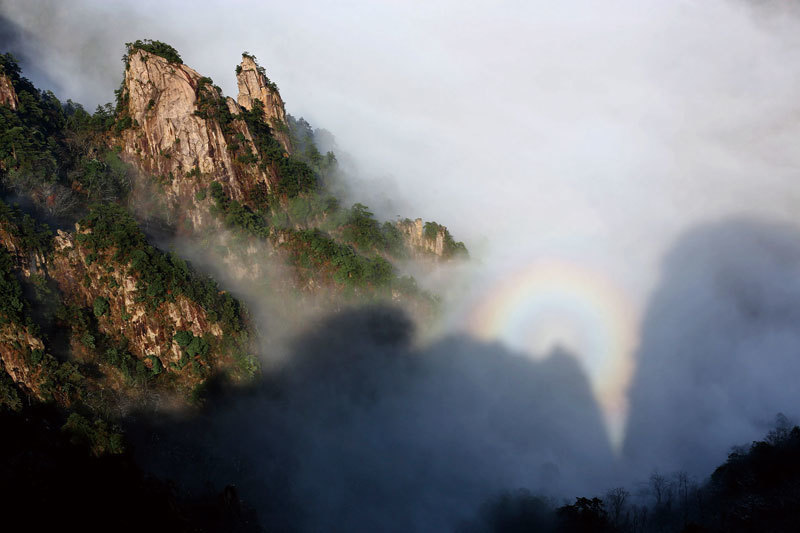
(125,307)
(8,96)
(85,276)
(429,240)
(185,146)
(221,163)
(254,85)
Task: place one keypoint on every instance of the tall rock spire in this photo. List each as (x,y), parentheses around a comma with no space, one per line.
(254,85)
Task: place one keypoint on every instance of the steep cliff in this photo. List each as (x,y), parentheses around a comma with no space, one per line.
(254,85)
(182,131)
(165,315)
(21,348)
(8,96)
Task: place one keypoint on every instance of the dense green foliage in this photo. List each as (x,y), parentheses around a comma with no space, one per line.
(361,228)
(103,177)
(83,323)
(314,249)
(161,277)
(98,436)
(9,394)
(100,306)
(158,48)
(212,106)
(31,147)
(194,350)
(296,177)
(235,215)
(133,370)
(11,302)
(303,140)
(80,123)
(28,234)
(55,154)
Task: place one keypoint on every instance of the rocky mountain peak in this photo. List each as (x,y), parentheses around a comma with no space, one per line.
(181,129)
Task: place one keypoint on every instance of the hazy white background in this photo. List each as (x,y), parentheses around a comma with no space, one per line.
(598,129)
(594,132)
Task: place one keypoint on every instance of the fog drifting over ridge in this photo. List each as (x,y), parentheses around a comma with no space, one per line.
(585,133)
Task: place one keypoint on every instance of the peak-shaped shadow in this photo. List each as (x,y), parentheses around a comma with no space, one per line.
(363,431)
(720,346)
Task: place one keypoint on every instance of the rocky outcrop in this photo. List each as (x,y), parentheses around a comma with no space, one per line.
(84,277)
(183,132)
(17,347)
(177,127)
(8,96)
(254,85)
(123,306)
(429,240)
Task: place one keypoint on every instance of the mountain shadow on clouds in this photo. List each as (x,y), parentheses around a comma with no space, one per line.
(362,431)
(720,346)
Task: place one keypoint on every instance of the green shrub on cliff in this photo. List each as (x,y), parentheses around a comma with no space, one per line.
(362,229)
(29,234)
(32,148)
(158,48)
(315,249)
(11,302)
(9,395)
(236,215)
(192,345)
(296,177)
(98,436)
(100,306)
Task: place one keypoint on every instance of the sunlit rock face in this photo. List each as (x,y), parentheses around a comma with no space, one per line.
(418,242)
(83,278)
(16,342)
(429,240)
(8,96)
(184,147)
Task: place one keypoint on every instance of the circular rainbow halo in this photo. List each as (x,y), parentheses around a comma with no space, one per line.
(556,303)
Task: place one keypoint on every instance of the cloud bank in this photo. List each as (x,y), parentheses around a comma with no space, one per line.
(613,136)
